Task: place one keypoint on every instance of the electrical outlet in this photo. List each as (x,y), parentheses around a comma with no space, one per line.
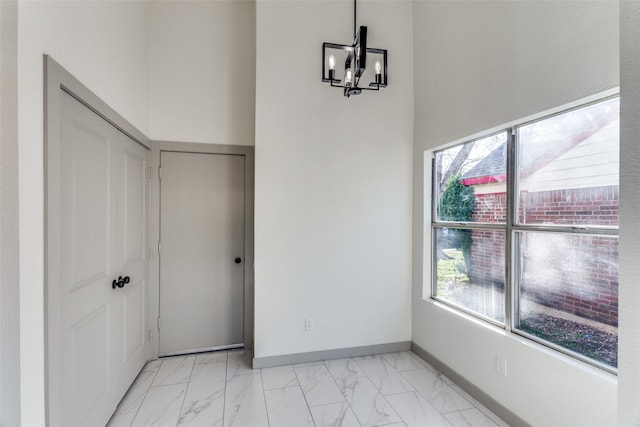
(501,365)
(308,323)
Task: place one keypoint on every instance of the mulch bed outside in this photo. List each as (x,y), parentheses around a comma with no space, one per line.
(586,340)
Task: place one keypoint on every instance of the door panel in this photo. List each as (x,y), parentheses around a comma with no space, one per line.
(103,207)
(201,232)
(90,380)
(134,326)
(135,213)
(87,222)
(131,237)
(88,209)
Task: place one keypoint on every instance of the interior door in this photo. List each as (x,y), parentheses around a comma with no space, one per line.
(102,237)
(201,252)
(132,240)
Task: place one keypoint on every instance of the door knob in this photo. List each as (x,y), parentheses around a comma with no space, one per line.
(238,260)
(120,282)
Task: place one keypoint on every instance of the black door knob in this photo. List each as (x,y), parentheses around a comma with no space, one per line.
(120,282)
(238,260)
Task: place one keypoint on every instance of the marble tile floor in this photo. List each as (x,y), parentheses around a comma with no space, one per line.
(220,389)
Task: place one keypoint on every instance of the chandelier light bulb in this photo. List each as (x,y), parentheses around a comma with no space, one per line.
(332,62)
(378,67)
(348,78)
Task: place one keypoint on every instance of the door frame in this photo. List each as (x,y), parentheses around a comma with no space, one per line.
(56,81)
(157,147)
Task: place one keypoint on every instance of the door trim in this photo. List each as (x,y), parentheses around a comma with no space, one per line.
(154,231)
(57,80)
(202,350)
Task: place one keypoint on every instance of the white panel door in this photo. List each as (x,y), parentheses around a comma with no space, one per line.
(202,251)
(102,236)
(132,243)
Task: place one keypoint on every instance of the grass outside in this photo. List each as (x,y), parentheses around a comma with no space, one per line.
(451,280)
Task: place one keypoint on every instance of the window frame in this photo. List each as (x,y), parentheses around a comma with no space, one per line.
(512,229)
(495,226)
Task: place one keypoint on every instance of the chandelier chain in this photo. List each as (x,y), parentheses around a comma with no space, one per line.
(355,28)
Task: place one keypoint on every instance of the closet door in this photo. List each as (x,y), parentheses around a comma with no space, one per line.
(132,215)
(102,193)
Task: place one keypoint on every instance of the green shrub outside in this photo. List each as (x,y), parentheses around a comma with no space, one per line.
(456,203)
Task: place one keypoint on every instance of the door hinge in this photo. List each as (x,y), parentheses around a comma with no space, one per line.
(150,253)
(158,247)
(149,335)
(149,172)
(158,322)
(159,173)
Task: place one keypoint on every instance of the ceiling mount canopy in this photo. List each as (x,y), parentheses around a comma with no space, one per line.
(355,77)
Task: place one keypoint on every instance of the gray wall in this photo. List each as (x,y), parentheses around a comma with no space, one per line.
(629,340)
(333,182)
(9,260)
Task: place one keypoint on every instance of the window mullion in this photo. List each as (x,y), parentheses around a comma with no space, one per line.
(434,190)
(434,218)
(470,225)
(510,282)
(591,230)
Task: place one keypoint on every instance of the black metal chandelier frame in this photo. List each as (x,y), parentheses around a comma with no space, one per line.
(355,63)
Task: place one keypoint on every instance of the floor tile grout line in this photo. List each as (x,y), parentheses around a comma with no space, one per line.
(224,392)
(459,394)
(401,392)
(391,406)
(186,389)
(412,356)
(360,367)
(304,396)
(423,362)
(264,396)
(384,361)
(286,386)
(280,388)
(470,409)
(146,393)
(489,415)
(388,365)
(380,391)
(476,404)
(340,389)
(428,400)
(439,378)
(307,403)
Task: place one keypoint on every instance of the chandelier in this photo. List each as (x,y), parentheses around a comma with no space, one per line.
(355,77)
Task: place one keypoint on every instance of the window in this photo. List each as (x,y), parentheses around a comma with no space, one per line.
(470,227)
(525,230)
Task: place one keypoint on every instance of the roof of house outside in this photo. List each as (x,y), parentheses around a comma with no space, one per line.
(492,166)
(544,144)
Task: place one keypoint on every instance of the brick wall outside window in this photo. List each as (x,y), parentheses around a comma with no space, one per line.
(594,206)
(595,298)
